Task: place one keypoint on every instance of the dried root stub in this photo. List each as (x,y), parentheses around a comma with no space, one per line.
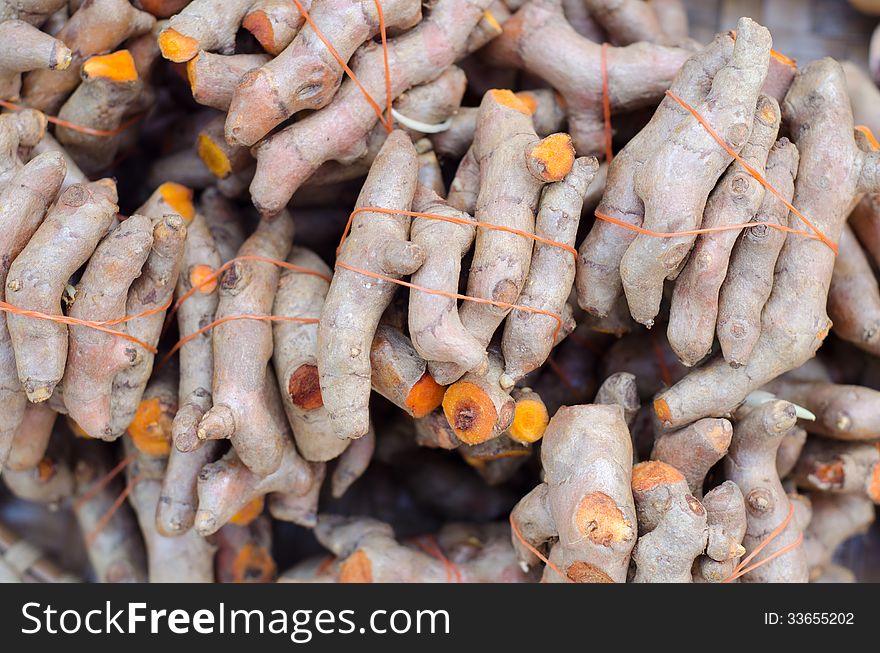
(23,47)
(528,336)
(242,349)
(38,276)
(378,243)
(306,75)
(584,511)
(96,27)
(23,204)
(794,321)
(460,553)
(726,519)
(672,525)
(339,131)
(203,25)
(540,40)
(840,467)
(751,464)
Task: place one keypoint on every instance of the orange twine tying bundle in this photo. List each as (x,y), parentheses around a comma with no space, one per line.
(55,120)
(429,545)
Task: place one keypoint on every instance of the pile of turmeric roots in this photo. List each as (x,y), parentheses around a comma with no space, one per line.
(441,291)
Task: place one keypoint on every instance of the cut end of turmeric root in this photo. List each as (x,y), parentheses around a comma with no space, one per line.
(650,474)
(470,412)
(551,159)
(253,564)
(201,277)
(600,520)
(511,100)
(150,430)
(179,198)
(529,100)
(865,131)
(258,24)
(783,59)
(176,47)
(116,66)
(584,572)
(356,568)
(530,420)
(304,388)
(661,410)
(249,513)
(874,484)
(214,157)
(425,396)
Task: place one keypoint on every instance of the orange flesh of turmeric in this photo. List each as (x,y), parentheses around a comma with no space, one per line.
(117,66)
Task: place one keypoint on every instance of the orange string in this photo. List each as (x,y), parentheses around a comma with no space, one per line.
(742,568)
(535,551)
(101,483)
(754,173)
(326,563)
(606,104)
(74,127)
(429,545)
(386,122)
(107,516)
(99,325)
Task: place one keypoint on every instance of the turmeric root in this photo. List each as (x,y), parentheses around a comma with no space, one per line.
(673,528)
(242,349)
(213,77)
(836,518)
(288,158)
(50,482)
(840,467)
(369,553)
(32,437)
(476,406)
(735,199)
(790,450)
(96,27)
(749,279)
(306,75)
(23,204)
(37,277)
(726,519)
(593,517)
(529,337)
(352,463)
(540,40)
(793,323)
(751,464)
(17,130)
(400,375)
(227,486)
(34,12)
(496,460)
(295,355)
(23,48)
(244,553)
(631,21)
(355,302)
(854,296)
(202,25)
(115,548)
(694,449)
(274,23)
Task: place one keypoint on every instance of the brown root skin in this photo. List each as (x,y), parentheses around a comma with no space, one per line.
(287,159)
(434,323)
(585,500)
(599,285)
(306,75)
(49,145)
(178,500)
(840,467)
(749,279)
(790,450)
(843,412)
(793,323)
(37,277)
(736,198)
(726,511)
(202,25)
(96,27)
(378,243)
(243,388)
(751,464)
(224,221)
(466,184)
(631,21)
(854,296)
(34,12)
(213,77)
(274,23)
(865,223)
(23,47)
(694,449)
(110,86)
(300,507)
(477,407)
(227,486)
(244,553)
(352,464)
(369,553)
(116,551)
(864,95)
(400,375)
(640,353)
(780,75)
(294,357)
(497,460)
(23,204)
(836,518)
(572,65)
(529,337)
(17,130)
(50,482)
(30,441)
(433,431)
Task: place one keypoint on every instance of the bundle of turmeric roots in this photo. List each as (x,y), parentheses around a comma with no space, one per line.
(466,290)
